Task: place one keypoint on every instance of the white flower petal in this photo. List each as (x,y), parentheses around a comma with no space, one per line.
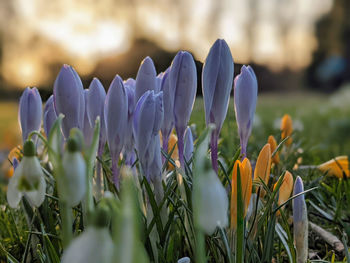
(93,245)
(36,198)
(13,195)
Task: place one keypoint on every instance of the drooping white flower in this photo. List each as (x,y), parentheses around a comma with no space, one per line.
(93,245)
(28,179)
(72,183)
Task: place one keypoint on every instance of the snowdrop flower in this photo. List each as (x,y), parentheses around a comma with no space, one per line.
(28,179)
(30,111)
(208,193)
(94,244)
(72,183)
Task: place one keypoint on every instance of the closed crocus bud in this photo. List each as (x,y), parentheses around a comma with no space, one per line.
(245,97)
(263,165)
(245,171)
(28,179)
(287,129)
(49,115)
(129,137)
(94,244)
(116,116)
(183,80)
(88,128)
(147,120)
(72,184)
(217,79)
(130,82)
(159,80)
(168,97)
(30,111)
(146,78)
(188,149)
(273,145)
(286,188)
(69,99)
(300,222)
(95,102)
(155,169)
(338,167)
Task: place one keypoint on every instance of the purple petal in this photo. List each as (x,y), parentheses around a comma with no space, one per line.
(49,115)
(146,78)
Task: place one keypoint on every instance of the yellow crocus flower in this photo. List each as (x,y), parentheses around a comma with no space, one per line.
(263,164)
(273,145)
(338,167)
(286,188)
(245,170)
(286,128)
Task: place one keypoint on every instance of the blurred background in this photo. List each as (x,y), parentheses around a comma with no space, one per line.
(299,49)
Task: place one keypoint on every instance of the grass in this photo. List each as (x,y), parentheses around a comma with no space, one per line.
(321,132)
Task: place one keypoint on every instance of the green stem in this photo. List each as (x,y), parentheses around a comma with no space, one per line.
(200,246)
(88,206)
(67,222)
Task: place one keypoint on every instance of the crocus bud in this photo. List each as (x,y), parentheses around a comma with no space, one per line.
(159,80)
(95,102)
(183,80)
(116,116)
(287,129)
(88,128)
(28,179)
(286,188)
(69,100)
(129,137)
(217,78)
(245,97)
(188,149)
(30,111)
(273,145)
(338,167)
(245,171)
(94,245)
(49,115)
(147,120)
(168,97)
(146,78)
(300,222)
(72,184)
(208,193)
(263,165)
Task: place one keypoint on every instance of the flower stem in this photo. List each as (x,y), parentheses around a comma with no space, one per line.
(200,246)
(67,222)
(214,151)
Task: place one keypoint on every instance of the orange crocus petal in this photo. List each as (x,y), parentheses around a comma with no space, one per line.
(245,170)
(286,128)
(338,167)
(175,154)
(263,164)
(273,144)
(286,188)
(14,153)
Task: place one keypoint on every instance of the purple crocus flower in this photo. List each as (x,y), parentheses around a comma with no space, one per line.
(159,80)
(30,111)
(146,78)
(168,99)
(245,97)
(88,128)
(116,114)
(217,79)
(68,96)
(129,137)
(95,101)
(188,149)
(148,117)
(300,222)
(183,80)
(49,115)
